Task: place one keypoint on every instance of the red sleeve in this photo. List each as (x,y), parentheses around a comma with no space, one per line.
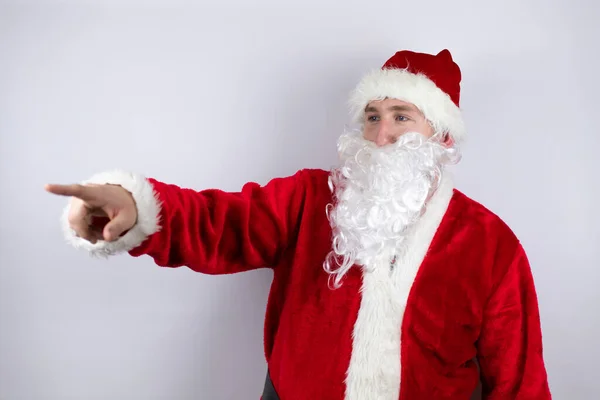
(510,346)
(218,232)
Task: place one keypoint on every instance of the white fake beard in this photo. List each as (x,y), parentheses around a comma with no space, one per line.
(379,193)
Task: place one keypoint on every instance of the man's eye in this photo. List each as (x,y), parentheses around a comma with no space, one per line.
(372,118)
(401,118)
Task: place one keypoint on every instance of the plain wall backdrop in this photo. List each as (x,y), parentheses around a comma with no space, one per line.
(220,93)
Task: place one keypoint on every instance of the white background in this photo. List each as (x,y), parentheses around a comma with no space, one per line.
(220,93)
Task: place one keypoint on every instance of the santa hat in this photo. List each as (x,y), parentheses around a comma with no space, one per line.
(430,82)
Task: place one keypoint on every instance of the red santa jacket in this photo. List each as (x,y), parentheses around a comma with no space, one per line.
(463,291)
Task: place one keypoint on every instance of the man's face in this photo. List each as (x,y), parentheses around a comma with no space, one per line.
(386,120)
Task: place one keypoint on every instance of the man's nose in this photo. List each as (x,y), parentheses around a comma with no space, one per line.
(384,134)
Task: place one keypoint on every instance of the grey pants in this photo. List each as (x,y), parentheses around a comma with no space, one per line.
(269,392)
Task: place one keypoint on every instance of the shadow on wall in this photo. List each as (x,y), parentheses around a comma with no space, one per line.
(227,350)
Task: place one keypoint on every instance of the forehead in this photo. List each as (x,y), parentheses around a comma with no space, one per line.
(389,103)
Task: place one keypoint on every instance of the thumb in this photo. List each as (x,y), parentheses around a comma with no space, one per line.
(115,228)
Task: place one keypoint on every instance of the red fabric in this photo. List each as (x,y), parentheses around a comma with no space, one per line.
(473,296)
(440,68)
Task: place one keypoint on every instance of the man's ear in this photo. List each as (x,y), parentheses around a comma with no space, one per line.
(448,140)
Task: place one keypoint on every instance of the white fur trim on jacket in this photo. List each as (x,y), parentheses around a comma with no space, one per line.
(148,209)
(418,89)
(375,364)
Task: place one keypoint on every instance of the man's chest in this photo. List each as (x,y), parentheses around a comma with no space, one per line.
(440,310)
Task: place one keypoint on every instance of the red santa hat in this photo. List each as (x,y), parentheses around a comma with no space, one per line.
(430,82)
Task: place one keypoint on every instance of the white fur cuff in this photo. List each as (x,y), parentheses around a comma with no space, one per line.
(148,209)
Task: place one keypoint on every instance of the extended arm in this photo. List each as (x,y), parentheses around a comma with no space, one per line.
(210,231)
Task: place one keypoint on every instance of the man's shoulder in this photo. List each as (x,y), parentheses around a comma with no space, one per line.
(305,181)
(474,213)
(486,234)
(301,176)
(312,177)
(470,205)
(315,173)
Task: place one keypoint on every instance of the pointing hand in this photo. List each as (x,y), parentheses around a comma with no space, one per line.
(98,212)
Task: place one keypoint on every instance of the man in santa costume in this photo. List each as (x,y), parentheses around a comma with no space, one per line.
(388,284)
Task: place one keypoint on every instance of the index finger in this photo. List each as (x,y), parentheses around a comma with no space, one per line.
(74,190)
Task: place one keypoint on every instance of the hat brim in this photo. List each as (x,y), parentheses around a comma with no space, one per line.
(418,89)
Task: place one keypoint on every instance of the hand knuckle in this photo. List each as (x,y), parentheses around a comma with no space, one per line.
(74,219)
